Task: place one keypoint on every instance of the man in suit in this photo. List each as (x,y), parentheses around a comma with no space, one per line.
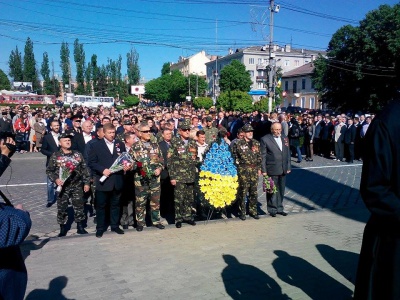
(317,136)
(81,139)
(326,137)
(5,123)
(222,121)
(101,158)
(340,130)
(349,140)
(275,162)
(49,146)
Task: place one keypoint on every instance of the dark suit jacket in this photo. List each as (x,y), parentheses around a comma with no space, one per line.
(318,129)
(6,126)
(327,130)
(275,162)
(78,142)
(100,158)
(224,123)
(164,150)
(350,135)
(49,146)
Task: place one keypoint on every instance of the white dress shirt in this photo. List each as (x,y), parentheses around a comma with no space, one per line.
(278,140)
(110,145)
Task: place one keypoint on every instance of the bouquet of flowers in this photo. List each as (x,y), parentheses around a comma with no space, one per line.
(269,185)
(218,176)
(122,161)
(67,166)
(145,167)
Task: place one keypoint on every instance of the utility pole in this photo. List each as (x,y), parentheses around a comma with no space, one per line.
(272,63)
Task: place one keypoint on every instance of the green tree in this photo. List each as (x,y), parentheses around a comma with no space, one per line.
(4,82)
(202,102)
(48,89)
(95,73)
(261,105)
(102,83)
(234,77)
(15,65)
(64,63)
(79,57)
(359,70)
(198,85)
(169,87)
(29,71)
(235,100)
(165,69)
(130,101)
(133,67)
(88,79)
(113,67)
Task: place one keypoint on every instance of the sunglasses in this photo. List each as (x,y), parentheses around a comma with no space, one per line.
(77,121)
(145,131)
(185,129)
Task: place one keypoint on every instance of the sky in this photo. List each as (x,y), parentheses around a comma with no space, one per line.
(163,30)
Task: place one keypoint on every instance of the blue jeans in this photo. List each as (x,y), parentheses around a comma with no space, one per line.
(51,191)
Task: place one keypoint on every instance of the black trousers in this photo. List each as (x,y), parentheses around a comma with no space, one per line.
(350,152)
(275,201)
(103,199)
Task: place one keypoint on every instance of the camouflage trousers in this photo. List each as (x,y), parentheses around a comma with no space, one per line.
(248,183)
(75,193)
(147,190)
(183,197)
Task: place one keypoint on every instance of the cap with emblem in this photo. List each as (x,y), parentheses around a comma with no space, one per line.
(127,122)
(184,124)
(209,119)
(65,136)
(247,128)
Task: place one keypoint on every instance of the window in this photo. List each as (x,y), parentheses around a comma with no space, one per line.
(260,61)
(251,74)
(312,102)
(286,85)
(287,63)
(294,86)
(294,102)
(260,73)
(297,63)
(260,85)
(303,84)
(303,102)
(251,61)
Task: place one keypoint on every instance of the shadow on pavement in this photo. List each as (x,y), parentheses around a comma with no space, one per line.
(311,280)
(53,293)
(248,282)
(28,247)
(344,262)
(324,192)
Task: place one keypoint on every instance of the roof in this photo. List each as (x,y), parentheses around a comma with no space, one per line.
(306,69)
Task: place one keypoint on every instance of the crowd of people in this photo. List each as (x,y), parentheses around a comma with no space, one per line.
(172,141)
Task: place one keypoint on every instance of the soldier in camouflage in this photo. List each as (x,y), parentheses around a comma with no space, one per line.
(210,130)
(150,162)
(128,127)
(247,155)
(182,161)
(72,162)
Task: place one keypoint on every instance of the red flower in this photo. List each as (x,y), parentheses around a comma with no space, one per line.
(139,164)
(143,173)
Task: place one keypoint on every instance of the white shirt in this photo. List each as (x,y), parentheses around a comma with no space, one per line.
(87,137)
(55,137)
(200,150)
(110,145)
(278,140)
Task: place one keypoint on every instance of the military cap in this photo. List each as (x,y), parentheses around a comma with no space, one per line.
(209,118)
(64,136)
(76,117)
(127,122)
(247,128)
(185,124)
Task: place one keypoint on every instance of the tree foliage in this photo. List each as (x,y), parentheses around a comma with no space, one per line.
(198,85)
(359,72)
(202,102)
(261,105)
(79,58)
(29,68)
(4,82)
(234,77)
(15,65)
(169,87)
(235,100)
(165,69)
(130,101)
(64,62)
(133,69)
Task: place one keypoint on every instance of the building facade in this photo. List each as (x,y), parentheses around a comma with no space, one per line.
(256,61)
(195,64)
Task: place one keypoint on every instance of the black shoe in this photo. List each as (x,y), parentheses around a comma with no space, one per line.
(255,217)
(139,228)
(125,226)
(178,224)
(273,215)
(49,204)
(80,228)
(117,230)
(310,160)
(299,161)
(160,226)
(191,222)
(282,213)
(242,217)
(63,231)
(99,233)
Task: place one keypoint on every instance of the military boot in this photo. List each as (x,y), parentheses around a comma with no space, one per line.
(63,231)
(80,228)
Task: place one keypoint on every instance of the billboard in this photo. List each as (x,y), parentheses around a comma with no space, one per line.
(22,86)
(137,90)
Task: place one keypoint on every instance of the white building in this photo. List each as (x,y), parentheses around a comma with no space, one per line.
(195,64)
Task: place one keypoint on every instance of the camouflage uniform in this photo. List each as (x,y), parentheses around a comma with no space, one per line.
(211,134)
(147,187)
(182,162)
(73,186)
(247,157)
